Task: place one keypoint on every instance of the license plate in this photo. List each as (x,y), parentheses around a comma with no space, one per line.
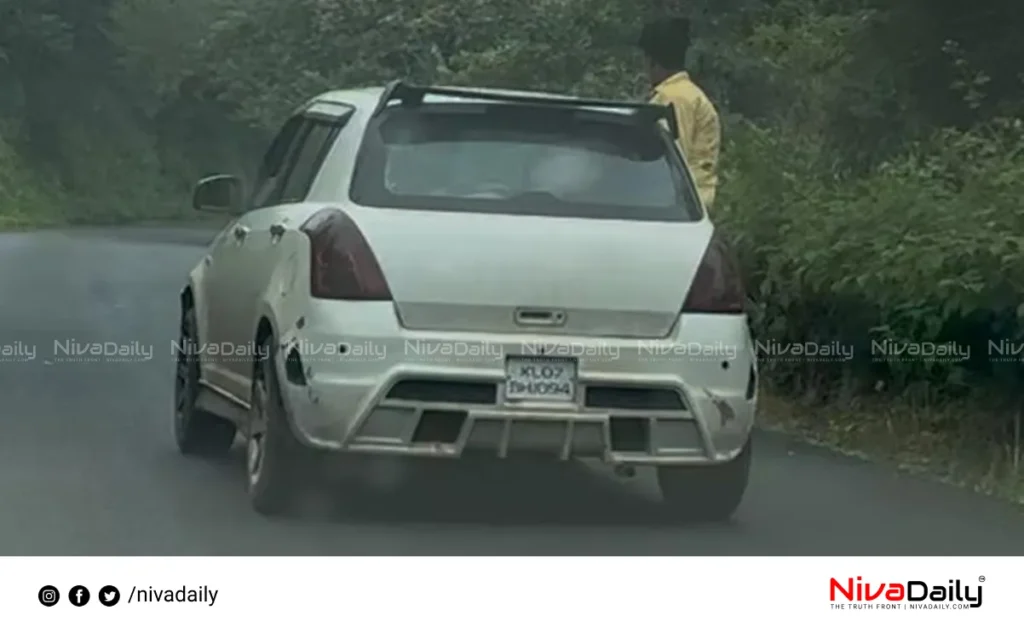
(540,379)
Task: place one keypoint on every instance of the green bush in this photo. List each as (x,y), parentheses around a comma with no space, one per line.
(26,198)
(928,247)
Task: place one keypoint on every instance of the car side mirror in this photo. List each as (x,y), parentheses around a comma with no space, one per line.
(221,194)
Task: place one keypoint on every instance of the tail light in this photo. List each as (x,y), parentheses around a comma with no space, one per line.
(342,265)
(718,285)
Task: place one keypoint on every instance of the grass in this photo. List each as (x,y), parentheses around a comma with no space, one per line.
(13,222)
(18,224)
(187,219)
(897,433)
(33,199)
(10,223)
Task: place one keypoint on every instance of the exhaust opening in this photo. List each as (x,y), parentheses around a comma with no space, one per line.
(630,435)
(439,427)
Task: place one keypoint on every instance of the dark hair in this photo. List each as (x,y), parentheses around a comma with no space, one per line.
(666,42)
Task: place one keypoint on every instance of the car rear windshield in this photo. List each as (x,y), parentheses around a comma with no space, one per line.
(523,160)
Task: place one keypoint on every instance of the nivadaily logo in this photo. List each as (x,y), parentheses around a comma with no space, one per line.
(910,594)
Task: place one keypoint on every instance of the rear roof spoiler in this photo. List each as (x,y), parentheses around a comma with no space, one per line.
(413,95)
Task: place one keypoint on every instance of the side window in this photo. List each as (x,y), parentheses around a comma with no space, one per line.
(269,176)
(305,162)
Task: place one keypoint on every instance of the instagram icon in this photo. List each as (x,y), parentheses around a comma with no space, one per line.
(49,596)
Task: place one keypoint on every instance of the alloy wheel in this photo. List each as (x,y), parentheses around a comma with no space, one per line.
(256,444)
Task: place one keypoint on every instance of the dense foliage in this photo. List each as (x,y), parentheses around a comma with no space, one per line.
(873,173)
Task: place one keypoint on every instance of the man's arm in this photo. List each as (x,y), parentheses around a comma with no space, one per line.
(706,144)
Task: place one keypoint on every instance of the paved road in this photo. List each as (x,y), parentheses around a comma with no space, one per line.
(88,467)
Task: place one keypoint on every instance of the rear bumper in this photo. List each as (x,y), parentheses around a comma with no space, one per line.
(383,390)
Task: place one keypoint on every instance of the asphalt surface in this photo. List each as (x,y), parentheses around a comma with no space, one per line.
(88,465)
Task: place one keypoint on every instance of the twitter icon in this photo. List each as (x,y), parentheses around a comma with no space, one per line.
(109,596)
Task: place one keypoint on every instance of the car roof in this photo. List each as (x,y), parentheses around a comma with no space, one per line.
(369,96)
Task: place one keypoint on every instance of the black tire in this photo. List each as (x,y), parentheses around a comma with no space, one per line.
(196,432)
(706,493)
(285,465)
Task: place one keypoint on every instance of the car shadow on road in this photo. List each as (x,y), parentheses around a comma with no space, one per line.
(481,493)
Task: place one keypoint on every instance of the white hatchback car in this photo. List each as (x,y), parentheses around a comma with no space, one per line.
(436,272)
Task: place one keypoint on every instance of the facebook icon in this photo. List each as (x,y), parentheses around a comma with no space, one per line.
(79,596)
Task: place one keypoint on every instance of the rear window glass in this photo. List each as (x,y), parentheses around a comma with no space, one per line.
(522,160)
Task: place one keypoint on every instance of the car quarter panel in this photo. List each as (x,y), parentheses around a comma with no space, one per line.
(284,286)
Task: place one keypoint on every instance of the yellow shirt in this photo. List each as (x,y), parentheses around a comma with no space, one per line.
(699,130)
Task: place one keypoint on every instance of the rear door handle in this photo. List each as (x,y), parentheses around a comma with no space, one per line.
(276,231)
(241,232)
(539,316)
